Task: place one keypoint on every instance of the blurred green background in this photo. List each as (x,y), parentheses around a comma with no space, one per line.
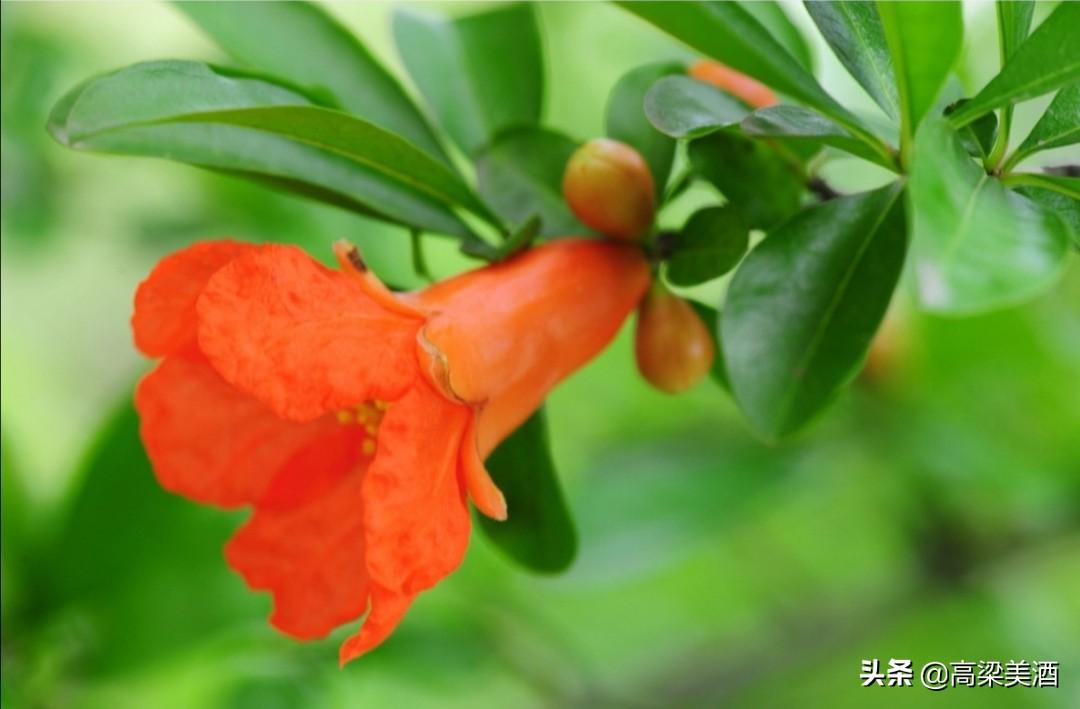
(932,514)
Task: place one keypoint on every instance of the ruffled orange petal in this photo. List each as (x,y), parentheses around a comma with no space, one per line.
(416,519)
(302,338)
(387,610)
(164,319)
(305,542)
(208,441)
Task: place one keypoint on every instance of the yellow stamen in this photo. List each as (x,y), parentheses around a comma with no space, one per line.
(344,416)
(368,447)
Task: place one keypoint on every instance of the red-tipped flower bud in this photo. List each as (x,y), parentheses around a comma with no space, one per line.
(734,82)
(609,187)
(673,347)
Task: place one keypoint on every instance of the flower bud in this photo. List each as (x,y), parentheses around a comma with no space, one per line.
(673,347)
(734,82)
(609,188)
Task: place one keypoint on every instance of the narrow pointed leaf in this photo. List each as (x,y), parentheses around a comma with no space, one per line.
(1047,60)
(627,122)
(775,19)
(520,175)
(193,113)
(805,304)
(804,124)
(853,30)
(1014,23)
(538,532)
(681,107)
(1059,125)
(301,42)
(924,39)
(976,246)
(481,74)
(1062,184)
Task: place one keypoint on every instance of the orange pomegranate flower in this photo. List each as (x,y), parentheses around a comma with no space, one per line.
(736,83)
(353,420)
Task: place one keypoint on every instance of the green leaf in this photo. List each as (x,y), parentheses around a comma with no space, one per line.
(481,74)
(978,137)
(710,244)
(727,32)
(520,175)
(1062,184)
(976,246)
(539,532)
(1066,207)
(711,317)
(626,120)
(805,304)
(682,107)
(1059,126)
(764,186)
(302,43)
(773,17)
(129,557)
(1014,23)
(519,239)
(803,124)
(924,40)
(192,113)
(853,30)
(1047,60)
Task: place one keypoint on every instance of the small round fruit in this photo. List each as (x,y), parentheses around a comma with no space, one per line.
(609,188)
(734,82)
(673,348)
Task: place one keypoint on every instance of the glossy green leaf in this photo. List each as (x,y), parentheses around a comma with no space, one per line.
(627,122)
(924,39)
(853,30)
(1014,23)
(710,244)
(1063,184)
(520,175)
(978,137)
(302,43)
(129,557)
(1058,126)
(1066,207)
(1047,60)
(805,304)
(682,107)
(726,31)
(538,532)
(803,124)
(762,184)
(481,74)
(711,317)
(976,246)
(192,113)
(773,18)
